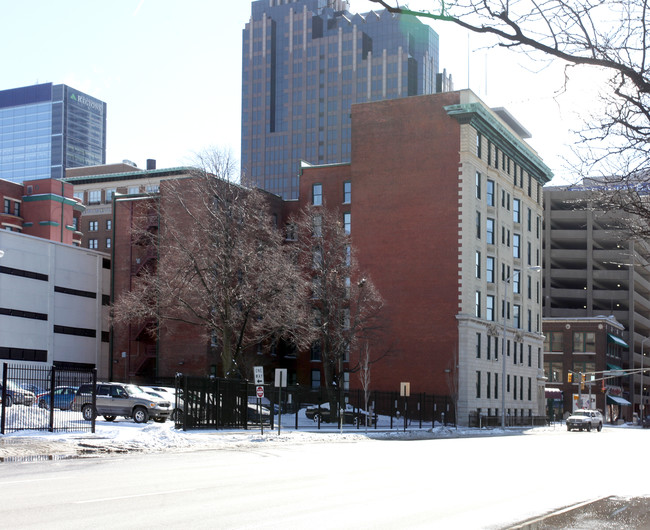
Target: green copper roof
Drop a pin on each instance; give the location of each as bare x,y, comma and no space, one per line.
483,121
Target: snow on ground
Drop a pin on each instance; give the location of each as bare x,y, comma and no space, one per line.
124,435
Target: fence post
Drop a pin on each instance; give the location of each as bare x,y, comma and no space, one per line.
92,423
51,411
4,398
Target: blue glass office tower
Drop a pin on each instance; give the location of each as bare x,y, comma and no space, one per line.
304,63
47,128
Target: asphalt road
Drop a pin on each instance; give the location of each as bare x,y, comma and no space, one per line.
459,483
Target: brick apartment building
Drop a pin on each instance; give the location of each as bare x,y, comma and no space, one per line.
443,200
44,208
96,186
594,347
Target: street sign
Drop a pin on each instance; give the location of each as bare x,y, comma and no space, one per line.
281,377
405,389
259,375
259,391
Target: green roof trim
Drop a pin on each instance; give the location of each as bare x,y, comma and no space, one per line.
49,197
48,223
483,121
131,175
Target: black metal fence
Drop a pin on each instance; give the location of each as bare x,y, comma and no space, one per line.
481,420
39,398
221,403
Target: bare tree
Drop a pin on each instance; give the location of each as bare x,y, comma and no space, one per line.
222,267
610,35
364,379
346,304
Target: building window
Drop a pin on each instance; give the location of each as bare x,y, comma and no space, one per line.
317,225
79,195
109,224
152,188
516,253
489,194
477,304
530,389
93,226
94,196
516,214
488,352
478,384
478,185
530,355
488,386
17,209
109,194
347,222
489,307
317,194
7,208
315,378
554,341
478,345
496,388
315,353
529,220
516,315
585,367
347,192
490,231
75,223
478,145
553,370
92,243
584,342
108,242
134,190
516,286
489,269
478,264
530,320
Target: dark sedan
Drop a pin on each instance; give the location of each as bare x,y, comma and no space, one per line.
351,415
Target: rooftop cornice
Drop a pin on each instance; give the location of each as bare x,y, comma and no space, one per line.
483,121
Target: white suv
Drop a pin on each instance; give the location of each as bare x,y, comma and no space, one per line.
585,419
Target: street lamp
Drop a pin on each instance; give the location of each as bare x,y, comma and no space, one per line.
535,268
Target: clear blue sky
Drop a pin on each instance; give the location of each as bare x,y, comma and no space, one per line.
170,72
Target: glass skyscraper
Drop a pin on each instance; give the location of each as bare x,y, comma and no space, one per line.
304,63
47,128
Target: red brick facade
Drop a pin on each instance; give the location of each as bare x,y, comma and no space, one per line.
42,208
404,211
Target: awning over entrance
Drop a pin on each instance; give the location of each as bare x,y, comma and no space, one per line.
615,400
617,340
614,368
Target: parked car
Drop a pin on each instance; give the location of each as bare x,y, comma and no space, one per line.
645,422
17,395
255,414
119,399
585,419
63,398
168,393
351,415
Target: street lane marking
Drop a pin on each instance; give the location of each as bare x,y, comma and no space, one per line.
105,499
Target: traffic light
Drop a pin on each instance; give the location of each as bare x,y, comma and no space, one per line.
570,377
